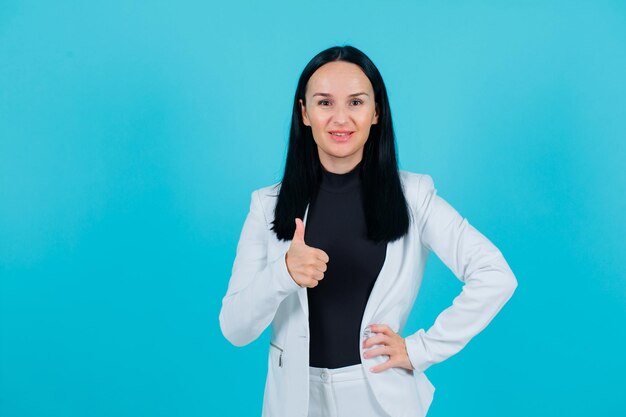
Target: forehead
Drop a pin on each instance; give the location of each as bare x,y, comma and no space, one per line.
339,78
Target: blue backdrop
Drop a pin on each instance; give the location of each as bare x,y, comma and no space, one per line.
131,137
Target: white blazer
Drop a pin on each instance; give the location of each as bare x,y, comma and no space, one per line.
261,292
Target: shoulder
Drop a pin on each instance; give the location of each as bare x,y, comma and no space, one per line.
264,199
413,182
268,191
417,188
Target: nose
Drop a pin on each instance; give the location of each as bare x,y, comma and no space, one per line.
340,116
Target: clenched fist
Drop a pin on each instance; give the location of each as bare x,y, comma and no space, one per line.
305,264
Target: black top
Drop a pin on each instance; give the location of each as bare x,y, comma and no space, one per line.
336,224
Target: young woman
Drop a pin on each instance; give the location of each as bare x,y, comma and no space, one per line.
333,256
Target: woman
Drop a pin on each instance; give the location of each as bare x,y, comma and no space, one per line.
333,256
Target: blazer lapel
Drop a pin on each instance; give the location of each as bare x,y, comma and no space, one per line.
383,282
302,292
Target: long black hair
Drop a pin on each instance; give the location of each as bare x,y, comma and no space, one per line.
384,204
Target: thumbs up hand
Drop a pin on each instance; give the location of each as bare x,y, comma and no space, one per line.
305,264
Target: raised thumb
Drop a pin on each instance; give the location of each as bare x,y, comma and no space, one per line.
298,235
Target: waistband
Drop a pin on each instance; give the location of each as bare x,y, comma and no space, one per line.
346,373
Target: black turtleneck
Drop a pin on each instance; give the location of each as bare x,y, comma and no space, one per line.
336,224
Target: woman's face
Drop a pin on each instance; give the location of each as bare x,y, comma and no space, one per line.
340,109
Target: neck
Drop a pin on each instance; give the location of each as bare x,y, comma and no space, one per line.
335,182
339,166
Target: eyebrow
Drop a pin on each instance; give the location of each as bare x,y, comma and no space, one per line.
330,95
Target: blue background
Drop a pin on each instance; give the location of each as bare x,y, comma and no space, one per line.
131,137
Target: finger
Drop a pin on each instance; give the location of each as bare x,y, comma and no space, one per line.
379,339
313,283
383,366
317,275
320,266
382,328
322,256
384,350
298,235
312,271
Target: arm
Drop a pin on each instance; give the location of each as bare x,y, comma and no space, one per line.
257,286
488,280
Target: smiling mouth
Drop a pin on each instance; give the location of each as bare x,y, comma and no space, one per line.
340,136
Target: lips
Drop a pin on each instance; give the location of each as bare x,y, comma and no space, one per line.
340,135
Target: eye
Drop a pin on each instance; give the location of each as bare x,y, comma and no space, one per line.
357,101
323,101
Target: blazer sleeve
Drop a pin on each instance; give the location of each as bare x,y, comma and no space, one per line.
488,280
257,286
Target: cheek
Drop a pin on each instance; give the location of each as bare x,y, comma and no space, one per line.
320,120
366,119
365,126
320,126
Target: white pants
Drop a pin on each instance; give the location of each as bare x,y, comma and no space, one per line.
341,392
